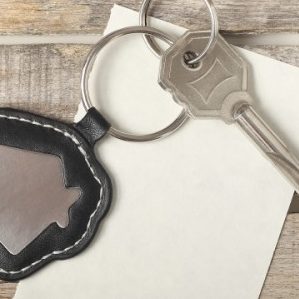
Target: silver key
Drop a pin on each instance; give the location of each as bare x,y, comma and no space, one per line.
217,87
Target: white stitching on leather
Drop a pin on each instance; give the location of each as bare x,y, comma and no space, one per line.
83,152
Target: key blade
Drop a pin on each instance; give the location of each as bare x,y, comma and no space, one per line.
270,144
202,89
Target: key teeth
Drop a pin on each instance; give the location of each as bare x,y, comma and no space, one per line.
174,97
232,105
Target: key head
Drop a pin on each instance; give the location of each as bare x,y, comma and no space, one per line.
204,89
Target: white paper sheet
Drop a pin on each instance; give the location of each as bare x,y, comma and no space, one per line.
196,215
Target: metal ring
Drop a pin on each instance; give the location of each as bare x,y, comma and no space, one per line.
87,104
158,51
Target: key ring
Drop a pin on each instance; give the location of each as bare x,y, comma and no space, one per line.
157,50
87,104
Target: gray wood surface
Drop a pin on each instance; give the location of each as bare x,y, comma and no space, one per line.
42,78
282,281
90,16
45,79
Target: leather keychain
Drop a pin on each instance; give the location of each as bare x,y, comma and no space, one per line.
53,190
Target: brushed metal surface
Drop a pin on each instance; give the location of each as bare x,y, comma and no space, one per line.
32,196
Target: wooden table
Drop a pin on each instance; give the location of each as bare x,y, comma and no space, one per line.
44,78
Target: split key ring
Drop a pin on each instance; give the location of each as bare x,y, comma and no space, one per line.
90,60
158,51
150,35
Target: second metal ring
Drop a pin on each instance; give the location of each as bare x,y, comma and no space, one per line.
86,100
158,51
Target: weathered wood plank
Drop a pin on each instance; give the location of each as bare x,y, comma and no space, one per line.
7,290
45,79
282,53
42,78
90,16
283,277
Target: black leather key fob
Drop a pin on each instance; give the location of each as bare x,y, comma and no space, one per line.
53,190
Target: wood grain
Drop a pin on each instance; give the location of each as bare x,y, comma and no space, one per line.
42,78
45,79
7,290
282,53
90,16
283,277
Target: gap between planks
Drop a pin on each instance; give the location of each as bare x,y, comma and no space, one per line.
277,39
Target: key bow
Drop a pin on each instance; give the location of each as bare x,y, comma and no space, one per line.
203,89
